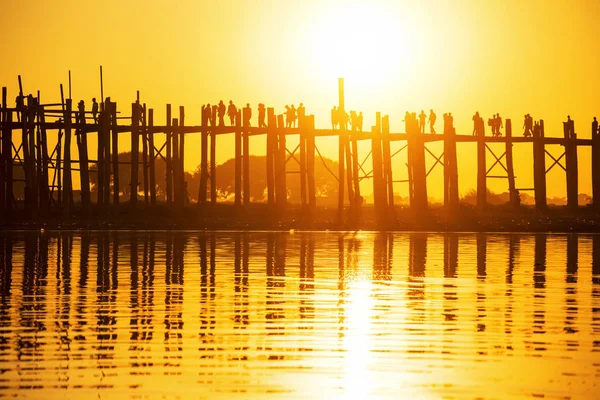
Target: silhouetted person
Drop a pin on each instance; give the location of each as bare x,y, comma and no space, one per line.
359,121
344,118
231,112
294,115
476,118
81,110
140,109
247,114
221,112
261,116
528,125
208,113
301,111
450,121
432,118
570,127
334,117
95,110
422,119
288,116
499,124
595,127
20,102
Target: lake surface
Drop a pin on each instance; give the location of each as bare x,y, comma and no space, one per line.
255,315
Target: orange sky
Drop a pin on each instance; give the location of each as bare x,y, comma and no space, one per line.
511,57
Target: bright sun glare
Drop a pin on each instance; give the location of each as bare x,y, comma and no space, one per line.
364,43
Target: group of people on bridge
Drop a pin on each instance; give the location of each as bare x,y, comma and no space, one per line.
495,123
340,119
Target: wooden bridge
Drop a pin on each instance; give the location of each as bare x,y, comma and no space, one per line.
48,170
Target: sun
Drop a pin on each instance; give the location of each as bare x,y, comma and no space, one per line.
367,43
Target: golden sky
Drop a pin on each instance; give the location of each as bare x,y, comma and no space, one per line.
512,57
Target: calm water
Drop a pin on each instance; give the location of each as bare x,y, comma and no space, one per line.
299,315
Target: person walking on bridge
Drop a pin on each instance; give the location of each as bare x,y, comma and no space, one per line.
334,117
301,112
95,110
595,128
221,112
247,114
261,116
422,119
231,112
432,118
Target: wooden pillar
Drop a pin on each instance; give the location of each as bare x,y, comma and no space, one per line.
271,151
8,159
102,129
111,117
169,165
341,146
213,160
595,166
135,151
379,188
3,150
514,196
571,164
310,161
203,159
349,179
416,146
539,167
280,170
28,160
356,169
246,156
387,160
182,187
84,174
67,183
450,169
107,156
238,160
302,128
152,167
44,191
481,171
145,155
175,163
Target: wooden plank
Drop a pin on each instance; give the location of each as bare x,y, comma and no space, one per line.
152,166
135,151
169,166
238,160
67,183
514,196
539,167
246,155
271,146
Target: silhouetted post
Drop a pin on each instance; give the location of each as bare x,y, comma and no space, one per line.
419,171
238,160
349,180
539,167
203,159
341,145
135,149
213,159
355,169
44,191
271,150
8,156
595,166
246,157
145,154
450,254
169,164
310,161
571,164
101,134
514,197
84,174
481,254
175,162
450,169
481,171
152,180
67,183
378,182
106,157
387,161
302,128
280,170
110,114
27,149
181,158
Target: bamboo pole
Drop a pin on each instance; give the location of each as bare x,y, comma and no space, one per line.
213,160
302,127
175,163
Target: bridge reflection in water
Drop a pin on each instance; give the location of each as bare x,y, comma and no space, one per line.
259,314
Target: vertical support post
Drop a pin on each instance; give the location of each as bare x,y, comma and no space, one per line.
8,158
387,161
107,143
378,185
302,128
238,160
175,163
571,164
450,169
44,191
68,187
203,158
84,174
135,151
169,165
246,156
280,170
182,187
416,147
271,151
213,160
3,150
481,171
111,118
152,180
539,167
514,196
310,162
341,145
145,154
355,170
102,129
595,166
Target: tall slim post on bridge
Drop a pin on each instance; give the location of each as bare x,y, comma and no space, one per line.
571,164
595,166
514,196
481,171
539,167
450,169
341,152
